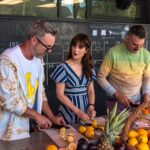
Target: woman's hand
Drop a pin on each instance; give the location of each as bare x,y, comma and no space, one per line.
91,112
83,116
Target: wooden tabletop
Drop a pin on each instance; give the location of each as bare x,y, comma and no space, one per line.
37,141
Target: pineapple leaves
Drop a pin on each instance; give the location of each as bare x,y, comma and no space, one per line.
113,112
115,123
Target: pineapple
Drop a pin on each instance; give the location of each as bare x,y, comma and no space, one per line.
105,144
113,126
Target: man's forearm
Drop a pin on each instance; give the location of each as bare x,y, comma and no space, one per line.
146,97
47,110
30,113
106,86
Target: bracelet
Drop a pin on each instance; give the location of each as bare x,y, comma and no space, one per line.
90,105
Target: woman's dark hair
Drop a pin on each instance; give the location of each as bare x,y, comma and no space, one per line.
82,40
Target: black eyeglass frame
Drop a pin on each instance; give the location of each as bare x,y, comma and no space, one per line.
48,47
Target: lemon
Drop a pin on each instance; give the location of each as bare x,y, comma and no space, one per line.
82,129
142,138
62,131
51,147
132,141
132,134
142,146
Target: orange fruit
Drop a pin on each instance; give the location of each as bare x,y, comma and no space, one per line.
141,131
148,143
70,139
71,146
89,134
94,123
145,111
142,146
142,138
132,134
89,128
82,129
148,133
51,147
132,142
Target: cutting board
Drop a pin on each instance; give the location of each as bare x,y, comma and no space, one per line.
97,133
54,135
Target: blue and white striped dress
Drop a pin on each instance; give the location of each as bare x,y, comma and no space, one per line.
75,90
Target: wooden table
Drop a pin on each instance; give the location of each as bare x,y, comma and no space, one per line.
37,141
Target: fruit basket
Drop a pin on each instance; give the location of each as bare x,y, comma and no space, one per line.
137,137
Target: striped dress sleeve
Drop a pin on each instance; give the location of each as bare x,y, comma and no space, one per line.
59,74
94,75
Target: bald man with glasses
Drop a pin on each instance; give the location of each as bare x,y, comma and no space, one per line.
22,94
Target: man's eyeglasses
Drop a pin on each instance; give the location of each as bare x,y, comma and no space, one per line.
48,47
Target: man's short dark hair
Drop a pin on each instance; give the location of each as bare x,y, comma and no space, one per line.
138,30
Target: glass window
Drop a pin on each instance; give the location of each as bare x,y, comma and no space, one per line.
41,8
67,9
108,8
73,9
81,9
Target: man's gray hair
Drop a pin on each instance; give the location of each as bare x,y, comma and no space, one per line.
40,28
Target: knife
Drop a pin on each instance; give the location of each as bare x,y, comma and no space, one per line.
86,123
134,105
57,126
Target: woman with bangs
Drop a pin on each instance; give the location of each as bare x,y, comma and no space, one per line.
74,82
